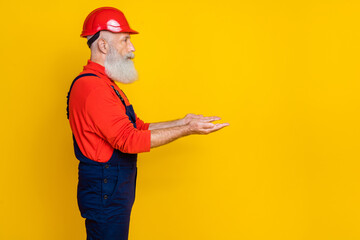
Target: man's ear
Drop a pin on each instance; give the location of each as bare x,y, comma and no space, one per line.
102,45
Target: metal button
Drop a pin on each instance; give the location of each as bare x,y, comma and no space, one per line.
105,196
107,166
105,180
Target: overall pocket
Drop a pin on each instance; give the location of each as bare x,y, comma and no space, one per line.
123,195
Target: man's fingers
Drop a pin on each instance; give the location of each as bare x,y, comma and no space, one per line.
202,118
219,126
210,119
208,125
212,126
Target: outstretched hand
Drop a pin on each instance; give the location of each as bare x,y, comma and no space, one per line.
189,117
190,124
198,124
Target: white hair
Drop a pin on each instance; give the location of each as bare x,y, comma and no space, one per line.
120,68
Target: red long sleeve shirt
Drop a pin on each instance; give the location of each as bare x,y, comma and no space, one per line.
98,119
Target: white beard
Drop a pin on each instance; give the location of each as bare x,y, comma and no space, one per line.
119,68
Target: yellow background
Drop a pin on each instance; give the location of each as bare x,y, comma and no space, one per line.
284,74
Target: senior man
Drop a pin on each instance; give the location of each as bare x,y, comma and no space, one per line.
107,133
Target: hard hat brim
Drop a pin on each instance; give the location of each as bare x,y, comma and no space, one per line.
129,30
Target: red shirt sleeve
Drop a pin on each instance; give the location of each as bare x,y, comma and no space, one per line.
107,118
141,125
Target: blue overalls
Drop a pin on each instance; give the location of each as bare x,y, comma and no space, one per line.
106,191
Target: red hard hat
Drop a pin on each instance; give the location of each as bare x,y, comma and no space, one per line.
106,18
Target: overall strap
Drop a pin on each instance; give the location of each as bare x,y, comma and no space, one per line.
68,96
118,94
129,109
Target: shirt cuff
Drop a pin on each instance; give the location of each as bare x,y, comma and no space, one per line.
146,126
147,141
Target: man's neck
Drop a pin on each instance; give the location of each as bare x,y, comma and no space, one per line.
97,60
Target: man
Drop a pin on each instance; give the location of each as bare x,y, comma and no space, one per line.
106,131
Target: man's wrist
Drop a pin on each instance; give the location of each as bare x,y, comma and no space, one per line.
180,122
186,129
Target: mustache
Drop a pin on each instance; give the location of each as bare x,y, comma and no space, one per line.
130,55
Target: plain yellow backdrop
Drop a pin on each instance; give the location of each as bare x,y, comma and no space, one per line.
284,74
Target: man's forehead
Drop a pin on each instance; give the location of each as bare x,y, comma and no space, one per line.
116,36
122,35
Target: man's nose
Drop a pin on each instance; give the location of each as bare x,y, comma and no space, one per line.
131,47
